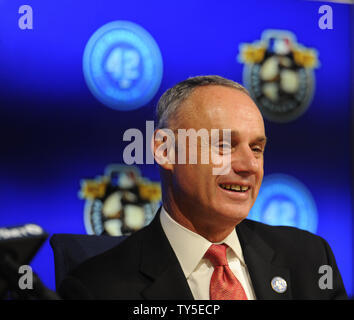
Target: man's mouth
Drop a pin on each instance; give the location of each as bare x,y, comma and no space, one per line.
234,187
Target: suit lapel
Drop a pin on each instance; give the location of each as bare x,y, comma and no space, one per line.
170,285
160,264
261,263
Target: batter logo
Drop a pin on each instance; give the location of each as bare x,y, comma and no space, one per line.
122,65
285,201
278,72
120,202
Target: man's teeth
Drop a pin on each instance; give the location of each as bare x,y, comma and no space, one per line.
234,187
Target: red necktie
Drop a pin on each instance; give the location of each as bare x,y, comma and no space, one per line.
223,284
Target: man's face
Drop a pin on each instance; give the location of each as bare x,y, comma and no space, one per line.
203,196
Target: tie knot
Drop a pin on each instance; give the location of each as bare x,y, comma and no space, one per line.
216,254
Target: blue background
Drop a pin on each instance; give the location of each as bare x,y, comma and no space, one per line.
53,132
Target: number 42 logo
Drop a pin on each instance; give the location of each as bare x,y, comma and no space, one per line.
123,65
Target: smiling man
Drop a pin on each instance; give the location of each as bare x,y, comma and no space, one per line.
200,244
207,204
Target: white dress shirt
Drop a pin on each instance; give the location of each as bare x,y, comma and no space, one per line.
190,248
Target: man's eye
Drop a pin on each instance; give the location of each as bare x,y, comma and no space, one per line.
257,150
225,146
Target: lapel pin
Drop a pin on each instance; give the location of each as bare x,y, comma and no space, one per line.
279,285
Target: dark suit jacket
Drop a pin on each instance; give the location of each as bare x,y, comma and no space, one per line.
144,266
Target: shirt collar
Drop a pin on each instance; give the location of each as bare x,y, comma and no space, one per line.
189,246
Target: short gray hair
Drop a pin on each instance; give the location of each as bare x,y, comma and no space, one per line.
173,97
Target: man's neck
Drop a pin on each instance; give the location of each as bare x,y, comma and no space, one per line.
214,232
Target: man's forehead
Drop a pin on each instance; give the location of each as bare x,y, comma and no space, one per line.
209,98
218,104
217,91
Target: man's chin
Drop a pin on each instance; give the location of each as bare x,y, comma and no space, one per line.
232,215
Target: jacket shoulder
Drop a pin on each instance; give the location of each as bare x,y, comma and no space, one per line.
301,252
292,243
119,264
276,233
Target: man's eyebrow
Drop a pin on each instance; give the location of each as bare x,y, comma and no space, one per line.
260,139
234,133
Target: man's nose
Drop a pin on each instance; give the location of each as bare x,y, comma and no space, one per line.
243,161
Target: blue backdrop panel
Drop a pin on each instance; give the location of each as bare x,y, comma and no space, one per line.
54,132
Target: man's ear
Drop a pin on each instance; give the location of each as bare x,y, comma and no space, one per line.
163,148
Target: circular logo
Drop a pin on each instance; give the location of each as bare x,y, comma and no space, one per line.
285,201
279,285
279,75
122,65
120,202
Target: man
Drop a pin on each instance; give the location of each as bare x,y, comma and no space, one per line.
199,245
